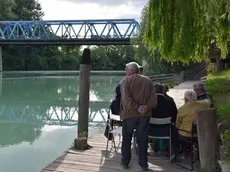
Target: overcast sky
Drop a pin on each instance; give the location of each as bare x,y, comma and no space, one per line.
91,9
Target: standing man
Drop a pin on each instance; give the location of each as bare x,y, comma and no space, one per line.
137,99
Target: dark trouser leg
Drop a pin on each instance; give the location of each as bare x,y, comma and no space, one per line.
142,136
128,126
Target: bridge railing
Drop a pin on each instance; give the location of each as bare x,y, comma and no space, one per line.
166,78
59,30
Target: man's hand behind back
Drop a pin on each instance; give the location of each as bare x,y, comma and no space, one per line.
143,109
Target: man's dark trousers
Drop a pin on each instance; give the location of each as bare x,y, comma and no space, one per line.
141,126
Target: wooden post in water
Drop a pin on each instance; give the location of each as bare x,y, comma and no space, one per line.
207,138
83,103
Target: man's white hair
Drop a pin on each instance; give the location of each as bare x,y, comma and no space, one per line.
190,95
133,65
199,86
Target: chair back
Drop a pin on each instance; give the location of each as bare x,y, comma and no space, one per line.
113,120
115,117
160,121
160,127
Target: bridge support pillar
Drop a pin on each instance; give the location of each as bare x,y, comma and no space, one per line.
0,59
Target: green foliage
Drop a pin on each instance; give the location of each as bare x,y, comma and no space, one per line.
182,30
6,9
28,10
112,57
156,65
41,57
226,137
84,134
217,84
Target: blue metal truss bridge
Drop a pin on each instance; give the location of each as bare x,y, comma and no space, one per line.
69,32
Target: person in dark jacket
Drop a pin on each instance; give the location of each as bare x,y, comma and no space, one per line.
165,108
201,93
166,89
115,105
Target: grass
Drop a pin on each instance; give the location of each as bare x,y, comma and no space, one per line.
218,85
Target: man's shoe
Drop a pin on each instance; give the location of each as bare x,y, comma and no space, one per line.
124,166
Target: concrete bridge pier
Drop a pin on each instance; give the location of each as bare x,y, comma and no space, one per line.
0,59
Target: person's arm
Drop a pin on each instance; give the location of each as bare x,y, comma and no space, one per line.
152,102
127,99
178,121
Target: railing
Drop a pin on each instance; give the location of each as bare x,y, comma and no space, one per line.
166,78
197,72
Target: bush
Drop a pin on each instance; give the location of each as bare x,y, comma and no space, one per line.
218,85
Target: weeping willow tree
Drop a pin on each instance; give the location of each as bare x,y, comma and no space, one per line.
154,64
182,30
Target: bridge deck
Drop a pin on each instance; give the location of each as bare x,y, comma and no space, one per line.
69,32
94,160
89,41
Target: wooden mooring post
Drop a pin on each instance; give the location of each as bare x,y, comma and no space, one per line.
83,103
207,138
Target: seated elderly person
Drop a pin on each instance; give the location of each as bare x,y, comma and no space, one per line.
200,91
165,108
186,116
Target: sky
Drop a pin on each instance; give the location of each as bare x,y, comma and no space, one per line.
91,9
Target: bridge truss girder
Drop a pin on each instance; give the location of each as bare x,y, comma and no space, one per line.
54,116
76,32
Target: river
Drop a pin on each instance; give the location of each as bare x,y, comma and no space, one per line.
38,116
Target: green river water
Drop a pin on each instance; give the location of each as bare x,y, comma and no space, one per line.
38,116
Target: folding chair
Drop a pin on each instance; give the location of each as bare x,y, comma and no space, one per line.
164,132
115,128
190,146
114,125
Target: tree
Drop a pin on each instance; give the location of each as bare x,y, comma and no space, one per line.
156,65
28,10
182,30
6,9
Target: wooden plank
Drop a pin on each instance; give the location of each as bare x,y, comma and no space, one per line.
94,160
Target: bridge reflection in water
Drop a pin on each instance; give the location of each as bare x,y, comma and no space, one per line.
54,115
28,104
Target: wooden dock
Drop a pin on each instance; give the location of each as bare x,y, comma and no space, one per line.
93,160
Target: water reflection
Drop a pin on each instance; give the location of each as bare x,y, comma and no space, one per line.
31,107
0,84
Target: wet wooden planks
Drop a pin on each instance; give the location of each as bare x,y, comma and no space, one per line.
93,160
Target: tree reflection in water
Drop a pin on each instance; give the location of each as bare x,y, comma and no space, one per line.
27,104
